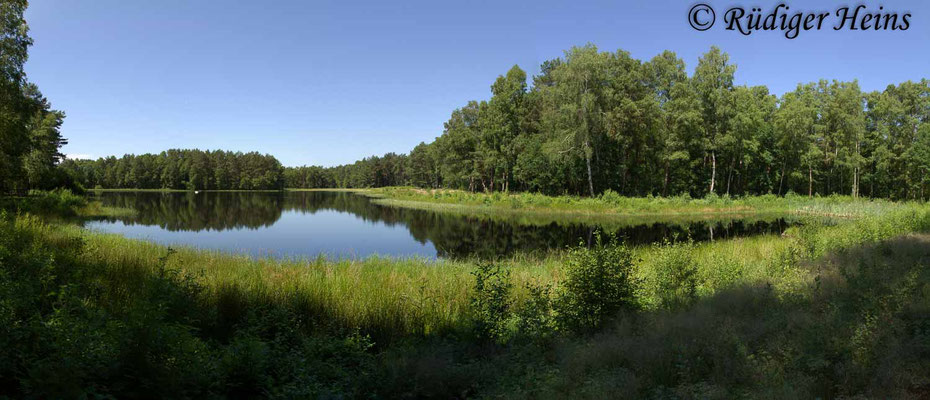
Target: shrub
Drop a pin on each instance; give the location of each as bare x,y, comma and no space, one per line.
611,197
599,283
76,327
676,275
534,319
59,202
490,301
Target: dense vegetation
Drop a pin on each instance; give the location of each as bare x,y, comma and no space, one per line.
594,121
29,129
180,169
822,311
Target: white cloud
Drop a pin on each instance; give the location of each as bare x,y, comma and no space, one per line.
79,156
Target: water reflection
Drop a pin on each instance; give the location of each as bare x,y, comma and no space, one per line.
341,224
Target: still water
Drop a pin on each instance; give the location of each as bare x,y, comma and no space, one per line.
346,225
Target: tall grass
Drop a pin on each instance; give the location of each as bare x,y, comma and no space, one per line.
611,203
390,297
88,314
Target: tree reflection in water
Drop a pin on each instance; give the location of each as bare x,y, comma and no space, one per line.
453,235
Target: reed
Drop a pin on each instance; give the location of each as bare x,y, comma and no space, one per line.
87,311
395,297
610,204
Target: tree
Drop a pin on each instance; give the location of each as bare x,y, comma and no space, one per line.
666,77
579,96
503,123
750,121
15,108
713,80
45,140
457,147
796,122
844,123
423,166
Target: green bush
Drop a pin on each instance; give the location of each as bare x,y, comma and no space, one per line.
676,275
490,301
58,202
611,197
534,318
72,327
599,283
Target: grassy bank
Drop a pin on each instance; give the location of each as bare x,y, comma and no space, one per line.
804,314
398,297
61,205
610,204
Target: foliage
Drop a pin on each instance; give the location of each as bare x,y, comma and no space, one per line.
30,134
128,314
599,283
180,169
54,203
676,281
79,327
598,121
490,301
535,319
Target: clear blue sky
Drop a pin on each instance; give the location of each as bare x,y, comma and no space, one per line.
329,82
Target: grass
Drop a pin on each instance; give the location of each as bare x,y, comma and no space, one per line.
824,310
857,331
610,204
391,298
61,205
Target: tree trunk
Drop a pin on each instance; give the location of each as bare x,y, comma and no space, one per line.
587,139
781,181
730,175
810,181
713,170
665,185
590,179
856,173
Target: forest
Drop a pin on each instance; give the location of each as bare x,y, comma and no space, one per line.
180,169
594,120
30,136
811,290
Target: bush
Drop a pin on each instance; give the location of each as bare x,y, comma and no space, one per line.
676,275
611,197
490,301
73,327
534,319
59,202
599,283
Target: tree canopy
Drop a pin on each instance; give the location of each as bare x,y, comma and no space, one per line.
591,121
596,121
30,136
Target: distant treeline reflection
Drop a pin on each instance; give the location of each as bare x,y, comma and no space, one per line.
452,235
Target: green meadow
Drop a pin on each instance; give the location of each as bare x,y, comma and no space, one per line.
801,314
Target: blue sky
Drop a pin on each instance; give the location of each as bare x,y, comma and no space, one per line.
329,82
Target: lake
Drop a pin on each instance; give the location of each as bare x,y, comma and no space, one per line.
346,225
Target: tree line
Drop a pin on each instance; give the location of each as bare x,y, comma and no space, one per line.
590,121
593,121
180,169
